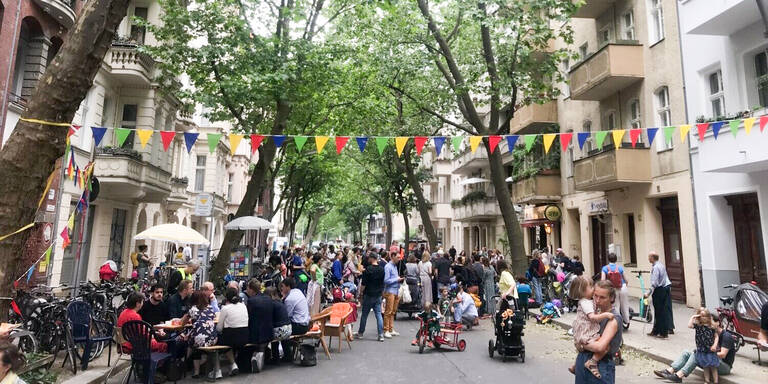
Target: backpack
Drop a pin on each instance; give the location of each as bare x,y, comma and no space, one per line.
614,277
307,355
176,369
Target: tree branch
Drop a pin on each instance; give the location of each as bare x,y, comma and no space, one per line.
490,64
430,111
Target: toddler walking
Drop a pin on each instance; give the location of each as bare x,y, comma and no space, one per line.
586,327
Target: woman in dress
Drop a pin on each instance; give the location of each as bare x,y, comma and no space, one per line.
425,273
350,271
315,290
489,285
203,332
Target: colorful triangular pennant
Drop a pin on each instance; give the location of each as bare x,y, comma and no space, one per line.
634,134
400,142
98,134
361,143
565,139
167,138
320,143
419,142
144,135
381,143
529,140
255,142
702,128
748,123
582,138
548,138
684,129
763,121
600,138
474,141
456,143
618,136
278,140
122,135
439,141
341,141
651,134
234,142
300,141
189,140
734,126
716,128
511,141
493,142
213,141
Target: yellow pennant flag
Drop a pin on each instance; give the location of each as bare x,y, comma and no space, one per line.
684,132
748,123
474,141
71,222
234,141
320,143
144,135
549,138
400,144
618,134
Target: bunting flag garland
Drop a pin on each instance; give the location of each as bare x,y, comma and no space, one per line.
734,125
684,129
65,238
122,135
189,140
144,136
618,135
651,134
474,142
748,123
213,141
582,137
255,142
529,140
400,143
493,142
419,142
43,260
278,140
362,141
716,128
381,143
549,138
320,143
98,134
439,141
456,143
167,139
46,259
763,121
300,141
341,141
565,139
702,128
633,135
600,138
511,141
234,141
29,273
668,133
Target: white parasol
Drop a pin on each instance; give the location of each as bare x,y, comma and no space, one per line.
473,180
246,223
176,233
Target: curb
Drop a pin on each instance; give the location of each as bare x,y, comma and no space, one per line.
98,375
643,352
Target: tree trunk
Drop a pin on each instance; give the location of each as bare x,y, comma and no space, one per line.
511,224
388,221
29,156
314,220
407,235
421,203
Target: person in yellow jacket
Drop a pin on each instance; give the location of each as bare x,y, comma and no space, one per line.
184,273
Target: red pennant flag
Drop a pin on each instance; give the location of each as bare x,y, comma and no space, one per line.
65,236
634,134
763,121
255,142
76,127
71,131
419,142
494,142
702,128
341,141
167,137
565,139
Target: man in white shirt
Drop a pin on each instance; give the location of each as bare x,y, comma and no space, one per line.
464,309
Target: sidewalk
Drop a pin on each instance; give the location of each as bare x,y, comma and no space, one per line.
665,351
97,369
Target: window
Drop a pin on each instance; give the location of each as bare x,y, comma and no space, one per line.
116,235
604,35
200,173
229,187
716,98
761,72
129,121
663,117
634,114
610,121
566,68
583,51
656,19
138,32
628,26
587,128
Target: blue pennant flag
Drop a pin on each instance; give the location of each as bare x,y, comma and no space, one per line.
29,273
716,128
98,134
511,141
439,142
361,142
651,134
189,139
582,137
278,140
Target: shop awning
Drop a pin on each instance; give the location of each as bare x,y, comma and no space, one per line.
536,222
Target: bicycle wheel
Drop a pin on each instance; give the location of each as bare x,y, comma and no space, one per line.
24,340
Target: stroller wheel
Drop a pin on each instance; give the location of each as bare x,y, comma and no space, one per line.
522,357
491,348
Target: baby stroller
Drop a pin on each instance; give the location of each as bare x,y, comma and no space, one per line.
508,325
414,286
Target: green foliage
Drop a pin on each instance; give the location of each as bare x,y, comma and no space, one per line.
526,164
469,198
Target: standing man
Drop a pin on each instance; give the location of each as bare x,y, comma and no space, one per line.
371,288
452,252
180,274
660,291
155,310
442,272
536,270
392,282
615,274
144,262
394,247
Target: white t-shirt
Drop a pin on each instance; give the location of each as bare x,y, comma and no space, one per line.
233,316
587,306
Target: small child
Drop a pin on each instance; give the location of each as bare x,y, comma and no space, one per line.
444,304
431,319
706,343
586,327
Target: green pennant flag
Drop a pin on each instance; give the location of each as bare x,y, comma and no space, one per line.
213,141
734,125
300,140
381,143
600,137
456,143
122,135
529,140
668,133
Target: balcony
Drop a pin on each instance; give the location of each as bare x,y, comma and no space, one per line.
481,210
533,118
123,176
441,211
441,167
612,169
718,155
129,65
592,9
61,10
179,196
469,162
541,188
719,18
612,68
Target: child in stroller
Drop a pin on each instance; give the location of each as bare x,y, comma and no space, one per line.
508,329
430,325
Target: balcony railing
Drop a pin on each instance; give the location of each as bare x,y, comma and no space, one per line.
612,68
612,169
484,209
540,188
469,162
532,118
61,10
129,64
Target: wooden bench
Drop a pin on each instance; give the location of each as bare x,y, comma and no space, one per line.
213,364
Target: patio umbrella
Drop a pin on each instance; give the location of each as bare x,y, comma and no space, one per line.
176,233
246,223
473,180
509,179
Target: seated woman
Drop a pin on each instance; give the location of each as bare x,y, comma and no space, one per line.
131,313
233,326
203,332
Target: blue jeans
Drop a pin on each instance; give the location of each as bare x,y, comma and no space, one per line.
606,367
368,304
536,283
687,364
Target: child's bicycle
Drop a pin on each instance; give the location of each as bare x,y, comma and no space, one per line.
644,314
448,335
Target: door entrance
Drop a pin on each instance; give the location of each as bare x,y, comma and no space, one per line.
599,243
749,239
673,251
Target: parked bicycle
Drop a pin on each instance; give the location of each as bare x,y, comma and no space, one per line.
740,312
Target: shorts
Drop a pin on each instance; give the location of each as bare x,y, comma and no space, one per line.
282,332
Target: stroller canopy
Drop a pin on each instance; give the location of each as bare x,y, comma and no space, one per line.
749,300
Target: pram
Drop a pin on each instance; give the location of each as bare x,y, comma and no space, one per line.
508,325
414,286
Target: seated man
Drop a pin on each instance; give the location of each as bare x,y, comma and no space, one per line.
298,312
131,312
464,309
178,303
209,289
155,310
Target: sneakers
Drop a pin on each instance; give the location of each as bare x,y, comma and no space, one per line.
673,377
234,370
394,333
660,373
388,335
257,362
414,342
381,338
358,336
215,375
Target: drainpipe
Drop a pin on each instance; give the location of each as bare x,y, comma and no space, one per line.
690,159
761,7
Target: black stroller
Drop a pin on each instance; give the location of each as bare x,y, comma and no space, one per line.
508,325
414,286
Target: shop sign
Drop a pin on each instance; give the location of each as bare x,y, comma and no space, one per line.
598,206
552,213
